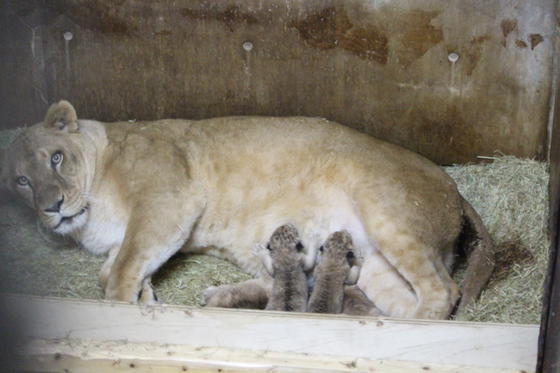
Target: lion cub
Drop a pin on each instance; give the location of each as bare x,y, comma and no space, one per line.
336,267
284,259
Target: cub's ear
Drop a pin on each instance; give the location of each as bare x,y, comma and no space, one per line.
62,116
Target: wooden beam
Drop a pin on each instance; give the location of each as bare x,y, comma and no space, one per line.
549,339
247,335
85,356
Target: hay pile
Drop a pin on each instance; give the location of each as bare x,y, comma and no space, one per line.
509,193
511,196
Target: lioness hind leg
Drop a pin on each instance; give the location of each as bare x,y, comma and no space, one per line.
416,262
386,288
452,287
357,303
251,294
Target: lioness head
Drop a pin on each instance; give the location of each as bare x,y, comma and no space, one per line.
49,166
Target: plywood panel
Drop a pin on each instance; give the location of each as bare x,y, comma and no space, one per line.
23,98
379,66
477,345
549,339
88,356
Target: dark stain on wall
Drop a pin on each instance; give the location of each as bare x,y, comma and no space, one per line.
232,16
507,25
319,30
473,52
520,43
446,125
535,40
96,15
418,34
332,28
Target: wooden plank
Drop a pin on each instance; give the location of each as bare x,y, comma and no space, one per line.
381,67
23,93
477,345
549,339
84,356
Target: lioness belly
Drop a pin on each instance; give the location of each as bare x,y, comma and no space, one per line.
237,234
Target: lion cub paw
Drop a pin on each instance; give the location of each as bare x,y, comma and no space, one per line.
208,294
249,294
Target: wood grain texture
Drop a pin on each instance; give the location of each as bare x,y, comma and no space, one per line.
549,338
84,356
23,96
376,66
492,346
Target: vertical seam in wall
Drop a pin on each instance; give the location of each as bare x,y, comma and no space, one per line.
555,83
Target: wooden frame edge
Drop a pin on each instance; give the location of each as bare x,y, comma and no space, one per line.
83,336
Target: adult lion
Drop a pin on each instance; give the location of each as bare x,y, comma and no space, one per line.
141,191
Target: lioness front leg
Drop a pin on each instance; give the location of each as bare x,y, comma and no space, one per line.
147,294
148,243
106,268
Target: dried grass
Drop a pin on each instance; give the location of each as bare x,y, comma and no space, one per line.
510,194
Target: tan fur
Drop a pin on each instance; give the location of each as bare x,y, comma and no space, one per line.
331,272
223,185
357,303
285,262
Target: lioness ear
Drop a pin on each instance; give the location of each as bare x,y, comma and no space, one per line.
62,116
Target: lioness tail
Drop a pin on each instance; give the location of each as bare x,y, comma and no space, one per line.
480,250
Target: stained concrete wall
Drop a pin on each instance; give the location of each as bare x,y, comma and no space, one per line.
379,66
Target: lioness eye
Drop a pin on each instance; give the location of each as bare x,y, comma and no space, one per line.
56,158
22,180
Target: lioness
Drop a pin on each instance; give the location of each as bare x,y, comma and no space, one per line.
141,191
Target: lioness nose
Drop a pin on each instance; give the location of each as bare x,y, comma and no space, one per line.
55,207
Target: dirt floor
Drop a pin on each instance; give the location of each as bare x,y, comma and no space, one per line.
509,193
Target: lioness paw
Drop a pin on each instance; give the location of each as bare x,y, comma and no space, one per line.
147,296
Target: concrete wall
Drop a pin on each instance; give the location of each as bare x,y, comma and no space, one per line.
379,66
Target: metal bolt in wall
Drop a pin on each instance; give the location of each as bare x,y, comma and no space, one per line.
248,46
453,57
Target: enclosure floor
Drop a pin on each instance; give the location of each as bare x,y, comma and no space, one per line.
510,194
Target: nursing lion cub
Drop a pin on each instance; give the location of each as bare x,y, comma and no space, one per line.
141,191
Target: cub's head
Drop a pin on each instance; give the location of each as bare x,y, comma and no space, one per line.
284,249
48,166
338,253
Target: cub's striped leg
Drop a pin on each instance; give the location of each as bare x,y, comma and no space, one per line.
251,294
